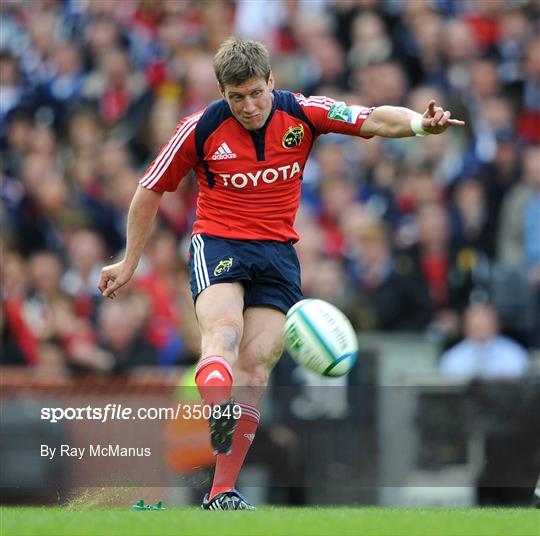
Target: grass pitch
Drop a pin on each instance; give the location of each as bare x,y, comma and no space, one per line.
58,521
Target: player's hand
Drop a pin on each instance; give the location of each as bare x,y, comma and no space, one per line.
436,120
113,277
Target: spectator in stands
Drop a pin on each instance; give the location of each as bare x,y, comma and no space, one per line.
160,285
312,32
511,43
421,44
380,84
529,117
63,87
416,188
459,49
17,142
37,57
518,242
371,43
484,353
85,133
389,295
330,282
20,346
449,271
120,336
44,321
310,249
119,92
336,194
472,223
200,87
86,252
502,172
12,87
114,159
46,212
102,34
519,231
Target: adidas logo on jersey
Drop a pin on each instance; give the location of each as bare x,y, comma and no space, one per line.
223,153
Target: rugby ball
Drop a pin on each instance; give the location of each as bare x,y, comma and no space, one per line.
320,337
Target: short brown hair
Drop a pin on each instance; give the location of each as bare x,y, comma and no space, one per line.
238,60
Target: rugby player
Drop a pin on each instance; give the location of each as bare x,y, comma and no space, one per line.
248,151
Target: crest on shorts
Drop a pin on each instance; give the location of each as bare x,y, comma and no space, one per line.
224,265
293,137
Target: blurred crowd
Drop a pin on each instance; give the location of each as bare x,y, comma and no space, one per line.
403,235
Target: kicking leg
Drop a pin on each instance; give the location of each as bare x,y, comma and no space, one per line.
260,350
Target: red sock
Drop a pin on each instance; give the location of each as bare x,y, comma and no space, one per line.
228,465
213,377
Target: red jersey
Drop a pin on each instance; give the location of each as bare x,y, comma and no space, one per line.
249,181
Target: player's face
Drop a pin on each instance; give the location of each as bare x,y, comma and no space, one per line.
250,102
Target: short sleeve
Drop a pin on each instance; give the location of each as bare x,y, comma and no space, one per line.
328,115
174,161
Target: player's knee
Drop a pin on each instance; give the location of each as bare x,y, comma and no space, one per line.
258,376
269,359
256,368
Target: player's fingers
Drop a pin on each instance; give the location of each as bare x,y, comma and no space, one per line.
444,119
112,287
431,108
437,117
102,284
456,123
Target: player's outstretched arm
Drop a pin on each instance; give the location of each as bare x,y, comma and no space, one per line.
398,122
142,212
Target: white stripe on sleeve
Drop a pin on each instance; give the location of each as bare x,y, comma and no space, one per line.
163,161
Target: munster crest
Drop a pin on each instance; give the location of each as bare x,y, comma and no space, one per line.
293,137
